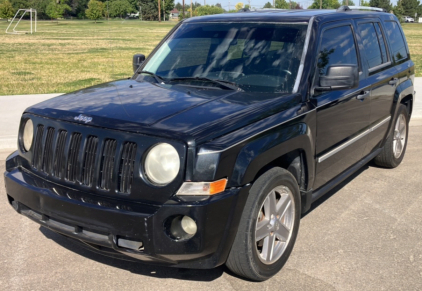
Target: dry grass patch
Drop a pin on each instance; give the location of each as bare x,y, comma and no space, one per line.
73,54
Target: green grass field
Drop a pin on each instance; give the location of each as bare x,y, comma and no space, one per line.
74,54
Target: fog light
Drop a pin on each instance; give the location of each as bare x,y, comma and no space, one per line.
181,227
188,225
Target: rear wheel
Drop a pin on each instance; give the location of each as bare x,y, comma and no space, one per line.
395,146
268,227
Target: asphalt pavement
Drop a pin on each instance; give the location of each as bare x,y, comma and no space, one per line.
363,235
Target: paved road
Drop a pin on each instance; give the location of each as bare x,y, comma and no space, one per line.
364,235
11,108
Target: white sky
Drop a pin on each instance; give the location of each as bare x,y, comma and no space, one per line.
254,3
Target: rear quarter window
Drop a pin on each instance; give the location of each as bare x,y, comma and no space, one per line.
396,40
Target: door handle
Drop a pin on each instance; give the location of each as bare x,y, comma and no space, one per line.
393,81
363,95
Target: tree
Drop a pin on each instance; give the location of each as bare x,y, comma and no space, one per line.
179,6
381,4
208,10
168,6
95,10
326,4
239,6
298,6
351,3
398,10
6,10
55,10
410,7
282,4
218,5
119,8
364,3
268,5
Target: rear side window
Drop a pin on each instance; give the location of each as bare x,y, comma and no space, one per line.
373,48
396,40
337,48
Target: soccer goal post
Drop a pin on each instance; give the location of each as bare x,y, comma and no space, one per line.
32,20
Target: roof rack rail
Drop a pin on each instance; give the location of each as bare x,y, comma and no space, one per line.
350,8
260,9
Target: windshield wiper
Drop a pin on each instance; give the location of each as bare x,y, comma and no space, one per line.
159,79
222,83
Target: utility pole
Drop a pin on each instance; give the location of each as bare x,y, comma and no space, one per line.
320,4
159,11
273,3
190,8
347,2
229,5
183,9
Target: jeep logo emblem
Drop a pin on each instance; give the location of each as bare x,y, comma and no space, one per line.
83,118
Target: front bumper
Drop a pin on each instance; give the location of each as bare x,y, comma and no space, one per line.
100,221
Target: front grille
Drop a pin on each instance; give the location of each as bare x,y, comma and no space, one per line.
48,151
127,163
107,164
37,158
75,157
60,158
72,162
89,160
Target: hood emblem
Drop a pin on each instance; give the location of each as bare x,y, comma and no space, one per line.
83,118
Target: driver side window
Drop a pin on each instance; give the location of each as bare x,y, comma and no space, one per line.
337,48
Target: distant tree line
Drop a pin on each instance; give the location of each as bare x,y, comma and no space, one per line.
92,9
99,9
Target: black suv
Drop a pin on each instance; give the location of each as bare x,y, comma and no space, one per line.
223,137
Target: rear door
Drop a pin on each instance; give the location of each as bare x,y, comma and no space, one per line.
381,76
342,115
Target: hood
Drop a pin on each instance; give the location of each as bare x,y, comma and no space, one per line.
180,112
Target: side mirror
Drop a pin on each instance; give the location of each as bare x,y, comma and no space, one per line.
138,59
340,77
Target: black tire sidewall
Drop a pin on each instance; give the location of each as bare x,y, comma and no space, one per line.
402,110
260,192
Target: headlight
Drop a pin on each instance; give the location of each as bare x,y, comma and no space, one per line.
162,164
28,134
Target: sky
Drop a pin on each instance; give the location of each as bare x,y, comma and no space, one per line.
254,3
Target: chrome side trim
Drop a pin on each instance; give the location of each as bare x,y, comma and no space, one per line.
380,123
349,142
304,52
249,137
373,69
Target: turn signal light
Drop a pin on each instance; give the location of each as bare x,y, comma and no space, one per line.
203,188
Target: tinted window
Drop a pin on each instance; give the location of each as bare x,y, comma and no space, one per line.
382,43
371,47
395,37
337,47
258,57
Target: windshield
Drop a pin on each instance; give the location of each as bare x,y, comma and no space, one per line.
256,57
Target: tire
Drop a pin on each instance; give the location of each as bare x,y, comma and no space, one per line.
390,156
248,258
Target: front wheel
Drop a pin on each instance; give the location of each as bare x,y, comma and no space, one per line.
395,146
268,227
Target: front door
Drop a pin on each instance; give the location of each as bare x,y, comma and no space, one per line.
342,115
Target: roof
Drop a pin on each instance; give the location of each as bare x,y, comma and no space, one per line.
174,11
296,15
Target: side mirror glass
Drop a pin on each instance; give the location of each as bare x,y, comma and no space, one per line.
340,77
138,59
